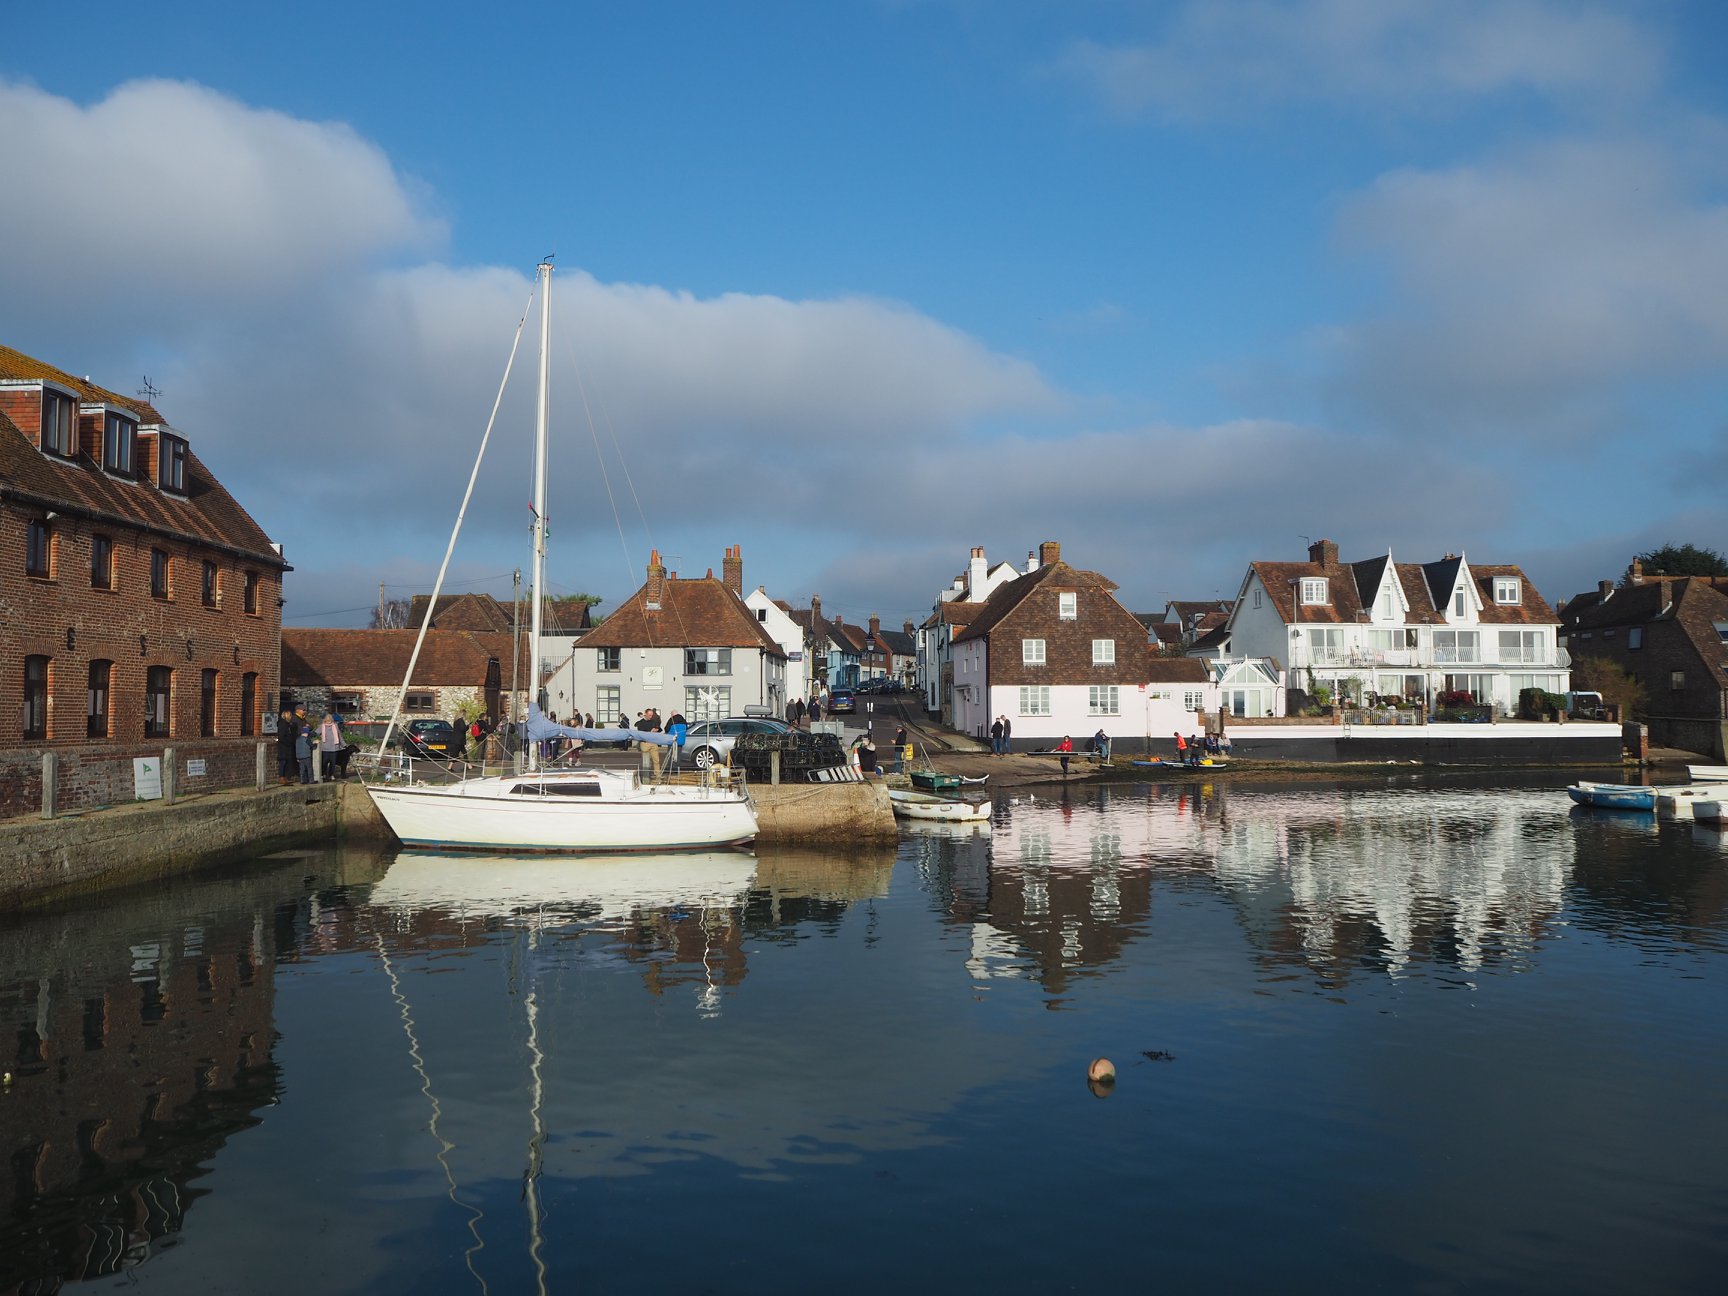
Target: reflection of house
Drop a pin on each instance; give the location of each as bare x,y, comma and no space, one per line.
1671,634
134,1054
143,603
1404,630
691,646
1055,652
358,673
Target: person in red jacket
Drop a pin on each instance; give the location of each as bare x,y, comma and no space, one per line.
1065,747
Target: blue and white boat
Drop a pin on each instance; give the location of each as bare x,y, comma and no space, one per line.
1614,796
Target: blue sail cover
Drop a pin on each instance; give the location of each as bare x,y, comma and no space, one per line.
540,728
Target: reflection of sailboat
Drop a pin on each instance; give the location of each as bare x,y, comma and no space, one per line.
584,887
557,811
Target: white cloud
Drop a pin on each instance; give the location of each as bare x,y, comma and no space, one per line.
1230,57
172,197
1535,286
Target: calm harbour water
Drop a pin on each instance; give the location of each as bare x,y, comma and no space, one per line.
1430,1036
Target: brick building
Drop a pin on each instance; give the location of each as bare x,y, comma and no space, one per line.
358,673
1671,634
143,605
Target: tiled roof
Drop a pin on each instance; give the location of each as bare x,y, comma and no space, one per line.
207,513
370,658
1427,588
1176,670
1010,595
693,613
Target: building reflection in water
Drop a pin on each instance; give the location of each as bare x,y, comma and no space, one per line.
1338,880
141,1047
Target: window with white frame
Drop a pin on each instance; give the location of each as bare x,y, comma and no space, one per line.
1313,589
1508,589
171,471
1103,652
1397,639
1193,700
1032,652
1458,602
1722,630
706,702
1101,699
608,704
1068,606
57,432
1326,643
1521,646
1035,700
708,661
119,444
1452,646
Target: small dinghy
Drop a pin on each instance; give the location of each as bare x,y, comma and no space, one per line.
909,803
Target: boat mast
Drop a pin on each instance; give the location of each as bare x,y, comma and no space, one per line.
537,585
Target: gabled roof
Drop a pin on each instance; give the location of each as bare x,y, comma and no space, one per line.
693,613
314,656
1427,587
1009,596
897,642
1176,670
463,612
1183,611
1214,640
207,513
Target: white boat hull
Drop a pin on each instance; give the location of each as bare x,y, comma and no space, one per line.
1708,773
612,812
922,805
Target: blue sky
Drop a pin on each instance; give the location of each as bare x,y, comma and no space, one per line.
858,286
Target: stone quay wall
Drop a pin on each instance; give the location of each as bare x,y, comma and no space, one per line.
90,776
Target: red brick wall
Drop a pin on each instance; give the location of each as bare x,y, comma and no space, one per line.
66,620
94,775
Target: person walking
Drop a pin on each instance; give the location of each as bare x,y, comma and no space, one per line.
1064,749
815,711
1007,732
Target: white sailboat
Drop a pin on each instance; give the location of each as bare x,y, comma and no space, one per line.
562,810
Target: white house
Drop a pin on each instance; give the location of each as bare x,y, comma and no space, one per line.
776,619
956,606
690,646
1404,630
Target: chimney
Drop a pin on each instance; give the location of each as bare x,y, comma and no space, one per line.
1031,562
656,581
1323,552
1049,553
1635,573
734,570
875,625
815,607
908,628
975,573
1604,589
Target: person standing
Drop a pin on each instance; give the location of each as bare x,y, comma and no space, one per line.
1007,732
1181,749
996,737
304,744
286,730
678,727
900,749
815,711
1064,749
330,743
650,723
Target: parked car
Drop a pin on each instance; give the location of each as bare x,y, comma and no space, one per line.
429,737
841,700
709,742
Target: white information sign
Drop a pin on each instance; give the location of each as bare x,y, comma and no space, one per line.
195,769
147,778
653,677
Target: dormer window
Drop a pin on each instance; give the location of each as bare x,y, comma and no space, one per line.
1313,590
171,470
1068,606
1508,590
57,424
119,444
1458,602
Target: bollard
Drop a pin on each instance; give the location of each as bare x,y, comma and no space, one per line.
49,769
774,768
261,772
168,776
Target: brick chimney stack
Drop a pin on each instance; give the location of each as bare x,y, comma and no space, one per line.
734,570
908,628
1604,589
815,607
875,625
1049,553
1635,576
1324,552
656,580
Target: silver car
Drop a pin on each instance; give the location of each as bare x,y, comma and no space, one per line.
709,742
